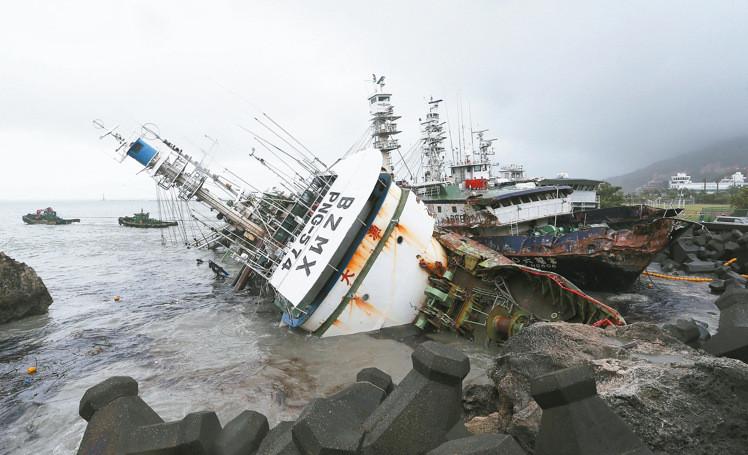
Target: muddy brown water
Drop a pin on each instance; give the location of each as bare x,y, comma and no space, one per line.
191,342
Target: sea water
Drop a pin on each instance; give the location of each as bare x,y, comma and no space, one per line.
190,341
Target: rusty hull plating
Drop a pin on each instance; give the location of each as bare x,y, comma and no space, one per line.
594,258
485,296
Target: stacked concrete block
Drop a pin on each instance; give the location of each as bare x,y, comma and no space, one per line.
113,411
731,339
701,251
371,416
243,434
482,444
576,421
279,441
195,434
417,415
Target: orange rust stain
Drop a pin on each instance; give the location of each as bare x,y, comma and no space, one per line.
341,325
365,306
410,237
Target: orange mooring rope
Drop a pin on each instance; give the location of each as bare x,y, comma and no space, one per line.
690,279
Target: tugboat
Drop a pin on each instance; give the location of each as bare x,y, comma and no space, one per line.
143,220
46,216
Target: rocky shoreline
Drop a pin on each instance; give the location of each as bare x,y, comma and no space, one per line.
22,292
558,388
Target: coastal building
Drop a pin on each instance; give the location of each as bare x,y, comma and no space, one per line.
682,181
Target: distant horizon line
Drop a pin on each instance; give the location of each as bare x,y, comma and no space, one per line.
75,200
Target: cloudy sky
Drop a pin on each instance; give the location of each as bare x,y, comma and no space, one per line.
593,88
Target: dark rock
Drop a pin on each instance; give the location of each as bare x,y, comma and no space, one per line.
717,286
734,295
104,393
328,427
717,246
22,292
700,267
690,332
736,235
702,253
713,236
681,248
108,429
668,266
195,435
440,362
731,249
676,399
731,339
744,239
422,409
700,240
736,279
576,421
458,431
483,444
660,257
334,425
279,441
377,377
242,435
480,400
361,397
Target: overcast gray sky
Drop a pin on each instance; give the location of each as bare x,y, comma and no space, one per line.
592,88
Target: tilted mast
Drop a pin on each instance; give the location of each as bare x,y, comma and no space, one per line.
383,123
433,134
262,224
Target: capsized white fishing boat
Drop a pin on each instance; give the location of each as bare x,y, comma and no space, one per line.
344,251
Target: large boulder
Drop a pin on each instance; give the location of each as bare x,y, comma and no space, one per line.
674,398
22,292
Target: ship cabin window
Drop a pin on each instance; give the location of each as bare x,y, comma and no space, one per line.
439,208
454,209
384,98
476,168
485,167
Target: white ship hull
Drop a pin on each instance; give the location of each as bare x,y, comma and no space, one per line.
381,284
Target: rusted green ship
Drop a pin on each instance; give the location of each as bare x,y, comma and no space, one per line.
144,220
47,216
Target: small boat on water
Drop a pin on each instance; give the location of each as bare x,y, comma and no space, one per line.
47,216
144,220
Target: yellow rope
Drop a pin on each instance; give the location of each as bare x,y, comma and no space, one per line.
731,261
690,279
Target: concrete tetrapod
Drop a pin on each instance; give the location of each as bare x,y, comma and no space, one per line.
243,434
576,421
481,444
370,416
731,339
423,408
334,425
113,410
195,434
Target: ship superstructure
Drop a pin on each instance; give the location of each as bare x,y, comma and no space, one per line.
348,250
344,248
471,198
384,123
